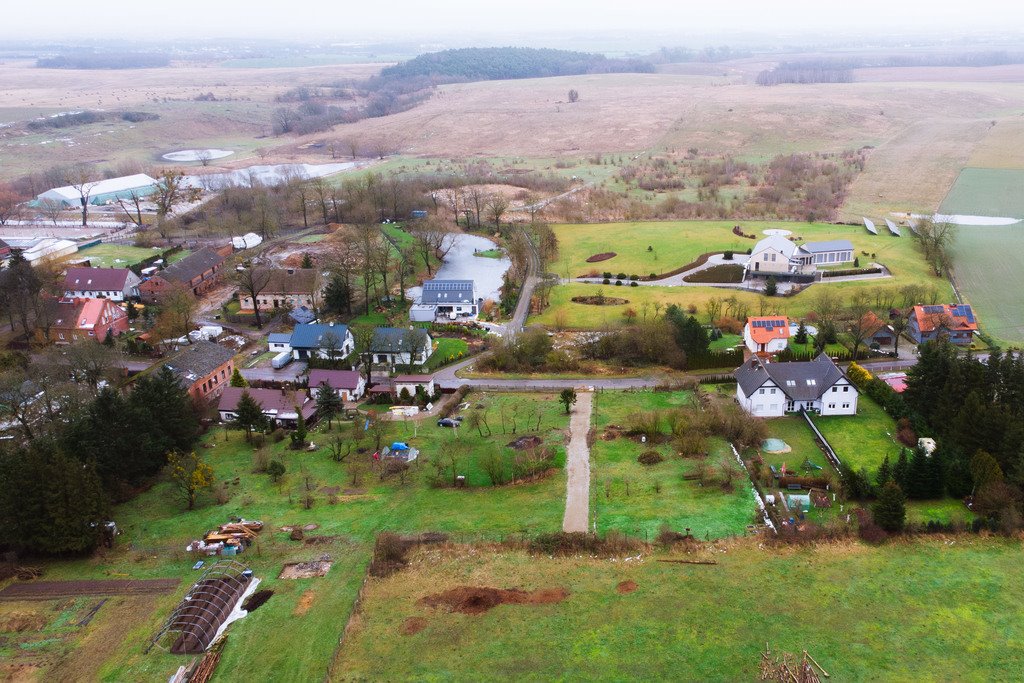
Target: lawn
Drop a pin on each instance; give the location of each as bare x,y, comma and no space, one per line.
119,256
295,633
674,244
794,431
447,351
726,342
901,611
490,253
862,440
638,499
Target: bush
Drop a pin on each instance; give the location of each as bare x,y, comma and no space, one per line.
389,554
607,281
633,284
276,470
606,275
650,458
277,436
727,255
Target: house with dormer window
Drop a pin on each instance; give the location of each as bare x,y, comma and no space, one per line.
766,389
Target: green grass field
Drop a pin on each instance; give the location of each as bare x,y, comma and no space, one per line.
988,272
862,440
794,431
447,351
678,243
921,611
986,192
118,256
281,636
638,499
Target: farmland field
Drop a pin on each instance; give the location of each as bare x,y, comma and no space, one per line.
986,192
902,611
990,272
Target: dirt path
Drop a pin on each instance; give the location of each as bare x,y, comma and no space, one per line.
577,463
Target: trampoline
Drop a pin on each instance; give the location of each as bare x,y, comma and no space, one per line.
775,446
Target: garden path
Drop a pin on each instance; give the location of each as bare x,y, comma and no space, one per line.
577,464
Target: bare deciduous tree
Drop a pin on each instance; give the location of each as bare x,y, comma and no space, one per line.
252,282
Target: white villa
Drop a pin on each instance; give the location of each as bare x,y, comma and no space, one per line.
776,255
767,389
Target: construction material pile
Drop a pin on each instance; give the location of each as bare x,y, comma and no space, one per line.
228,539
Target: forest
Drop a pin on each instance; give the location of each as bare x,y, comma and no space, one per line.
501,63
105,60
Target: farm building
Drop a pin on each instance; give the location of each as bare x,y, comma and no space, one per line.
348,384
203,367
286,288
398,346
766,334
323,341
36,249
116,284
279,406
776,255
767,389
198,271
101,191
445,298
86,319
955,321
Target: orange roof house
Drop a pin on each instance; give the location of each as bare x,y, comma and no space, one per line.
766,334
955,321
87,319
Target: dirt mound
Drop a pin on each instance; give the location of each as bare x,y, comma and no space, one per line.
305,602
626,587
17,622
412,626
599,300
480,599
319,540
305,570
524,442
603,256
255,600
611,432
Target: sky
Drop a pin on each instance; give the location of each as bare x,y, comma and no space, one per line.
418,19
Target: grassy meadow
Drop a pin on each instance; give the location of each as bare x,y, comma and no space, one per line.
122,256
902,611
638,499
986,192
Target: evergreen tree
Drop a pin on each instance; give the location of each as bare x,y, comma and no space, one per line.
299,436
237,380
108,340
249,415
771,287
890,511
916,486
338,296
884,474
985,470
689,334
901,472
328,403
162,406
132,311
936,477
958,472
307,261
801,334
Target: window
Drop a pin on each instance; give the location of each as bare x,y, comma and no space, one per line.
832,406
846,389
771,391
846,405
835,389
773,257
790,382
812,382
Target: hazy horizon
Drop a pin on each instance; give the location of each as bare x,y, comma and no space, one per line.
414,20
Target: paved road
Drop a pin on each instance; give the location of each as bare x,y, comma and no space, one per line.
577,465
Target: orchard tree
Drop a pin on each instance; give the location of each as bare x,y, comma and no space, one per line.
568,399
190,475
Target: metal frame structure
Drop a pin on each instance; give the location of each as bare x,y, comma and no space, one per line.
203,609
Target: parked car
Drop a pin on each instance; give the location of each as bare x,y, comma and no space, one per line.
450,422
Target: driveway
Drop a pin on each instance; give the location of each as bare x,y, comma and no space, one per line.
577,466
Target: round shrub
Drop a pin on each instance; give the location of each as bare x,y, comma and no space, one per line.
618,283
633,284
607,281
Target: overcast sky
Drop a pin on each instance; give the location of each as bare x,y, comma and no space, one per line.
421,18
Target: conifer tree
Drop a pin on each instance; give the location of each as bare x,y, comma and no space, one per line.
237,380
884,474
249,415
890,511
328,403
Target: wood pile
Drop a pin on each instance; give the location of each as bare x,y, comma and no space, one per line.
208,664
785,668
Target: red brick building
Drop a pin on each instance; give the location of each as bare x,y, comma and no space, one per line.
87,319
199,272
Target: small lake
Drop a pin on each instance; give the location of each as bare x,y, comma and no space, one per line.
461,264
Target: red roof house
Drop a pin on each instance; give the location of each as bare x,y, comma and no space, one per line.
87,319
766,334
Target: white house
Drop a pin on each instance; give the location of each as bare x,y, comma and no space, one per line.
279,341
396,346
777,255
447,299
411,383
766,334
321,340
349,385
767,389
116,284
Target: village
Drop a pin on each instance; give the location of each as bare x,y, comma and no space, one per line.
360,361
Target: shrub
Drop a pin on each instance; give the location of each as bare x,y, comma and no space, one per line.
633,284
727,255
389,554
276,470
277,435
606,281
618,283
607,275
650,458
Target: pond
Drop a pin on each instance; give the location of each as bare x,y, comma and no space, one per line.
461,263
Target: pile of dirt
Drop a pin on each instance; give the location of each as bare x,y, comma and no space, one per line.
480,599
412,626
650,458
611,432
256,600
603,256
305,570
525,442
320,540
18,622
626,587
599,300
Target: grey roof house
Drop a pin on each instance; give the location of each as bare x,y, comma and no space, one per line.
401,346
767,389
324,340
445,298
